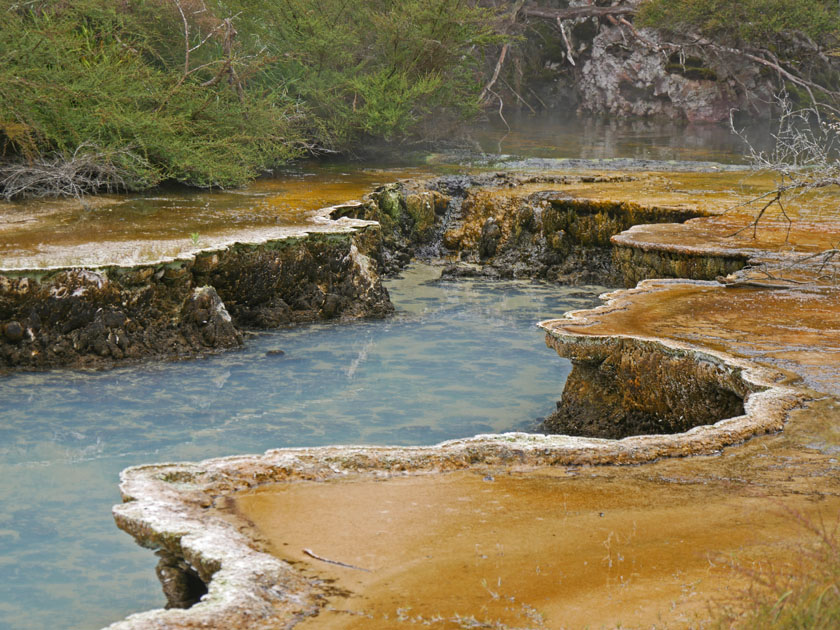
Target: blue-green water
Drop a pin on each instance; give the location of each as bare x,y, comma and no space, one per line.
459,358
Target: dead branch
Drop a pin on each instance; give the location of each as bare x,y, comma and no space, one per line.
312,554
798,80
501,107
803,159
495,77
566,43
87,170
519,96
777,195
644,40
751,284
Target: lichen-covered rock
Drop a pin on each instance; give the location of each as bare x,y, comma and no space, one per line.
205,318
545,234
635,264
622,71
625,78
297,280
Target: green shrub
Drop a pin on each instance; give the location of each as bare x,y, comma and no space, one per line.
212,92
375,67
762,23
96,74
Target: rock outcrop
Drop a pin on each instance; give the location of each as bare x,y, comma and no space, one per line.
601,63
624,77
677,360
183,308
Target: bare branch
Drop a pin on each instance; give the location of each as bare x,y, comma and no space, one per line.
87,170
804,158
566,43
495,77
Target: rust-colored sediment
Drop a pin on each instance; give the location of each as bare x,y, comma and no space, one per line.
481,528
526,531
795,329
543,548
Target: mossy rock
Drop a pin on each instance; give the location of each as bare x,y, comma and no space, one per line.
421,208
391,202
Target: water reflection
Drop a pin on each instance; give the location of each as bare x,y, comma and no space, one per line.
555,135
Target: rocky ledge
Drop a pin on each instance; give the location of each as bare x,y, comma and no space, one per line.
217,575
579,226
555,225
185,307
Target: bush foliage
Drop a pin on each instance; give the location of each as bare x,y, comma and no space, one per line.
762,23
212,92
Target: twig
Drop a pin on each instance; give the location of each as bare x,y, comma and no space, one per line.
312,554
536,96
87,170
754,223
517,95
495,77
569,54
577,12
751,284
501,107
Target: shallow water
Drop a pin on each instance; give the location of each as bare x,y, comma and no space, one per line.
175,221
459,358
602,138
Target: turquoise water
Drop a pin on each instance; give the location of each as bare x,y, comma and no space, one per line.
459,358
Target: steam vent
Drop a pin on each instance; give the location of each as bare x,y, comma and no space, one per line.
700,413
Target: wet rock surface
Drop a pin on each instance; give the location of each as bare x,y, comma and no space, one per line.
192,513
97,318
508,225
585,227
628,387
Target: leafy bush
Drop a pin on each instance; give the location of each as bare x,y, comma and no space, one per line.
373,67
104,76
211,92
762,23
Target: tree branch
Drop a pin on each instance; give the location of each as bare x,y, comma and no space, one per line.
574,13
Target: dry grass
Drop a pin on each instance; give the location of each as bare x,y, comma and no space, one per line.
800,593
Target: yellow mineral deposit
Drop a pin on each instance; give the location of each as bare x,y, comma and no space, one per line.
483,534
547,548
